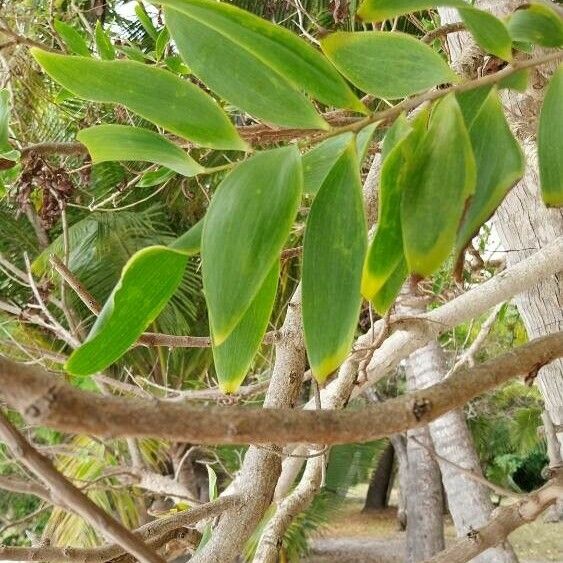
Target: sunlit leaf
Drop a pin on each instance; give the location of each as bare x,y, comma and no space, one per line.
148,281
388,65
550,142
155,94
500,164
106,50
333,255
234,356
72,39
440,180
245,228
537,23
257,66
122,142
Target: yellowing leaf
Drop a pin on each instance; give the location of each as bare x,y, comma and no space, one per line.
388,292
333,255
153,93
121,142
388,65
234,356
245,228
440,180
550,142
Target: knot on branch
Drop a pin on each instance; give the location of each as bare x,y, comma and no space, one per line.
420,407
40,408
473,535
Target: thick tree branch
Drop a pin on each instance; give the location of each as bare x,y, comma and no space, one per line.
47,400
504,521
70,496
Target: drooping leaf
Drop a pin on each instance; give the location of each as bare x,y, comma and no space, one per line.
388,65
386,249
155,94
259,67
333,256
389,291
550,142
536,23
234,356
440,180
8,154
122,142
148,281
74,42
245,228
489,32
106,50
500,164
318,162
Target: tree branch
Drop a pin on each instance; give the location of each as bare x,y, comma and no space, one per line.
70,496
46,400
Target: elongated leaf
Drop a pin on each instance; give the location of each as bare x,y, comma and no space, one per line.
155,94
388,65
386,249
146,21
489,32
500,164
106,50
121,142
148,281
7,152
257,66
72,39
234,356
537,23
318,162
439,182
245,228
190,241
155,177
333,255
550,142
389,291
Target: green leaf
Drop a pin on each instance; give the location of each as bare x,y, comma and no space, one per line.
257,66
518,81
162,43
74,42
245,228
440,180
155,94
489,32
122,142
190,241
234,356
500,164
388,65
318,162
387,294
536,23
146,21
106,50
550,142
386,249
333,255
7,152
148,281
155,177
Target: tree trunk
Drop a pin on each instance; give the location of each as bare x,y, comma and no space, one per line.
377,495
400,446
523,222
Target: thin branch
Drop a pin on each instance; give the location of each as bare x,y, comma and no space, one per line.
46,400
70,496
16,485
443,31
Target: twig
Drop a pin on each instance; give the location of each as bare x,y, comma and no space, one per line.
443,31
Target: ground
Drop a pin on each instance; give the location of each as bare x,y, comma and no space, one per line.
357,537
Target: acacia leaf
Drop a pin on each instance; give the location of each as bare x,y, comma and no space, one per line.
246,226
233,357
155,94
441,178
122,142
550,142
257,66
333,254
387,65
